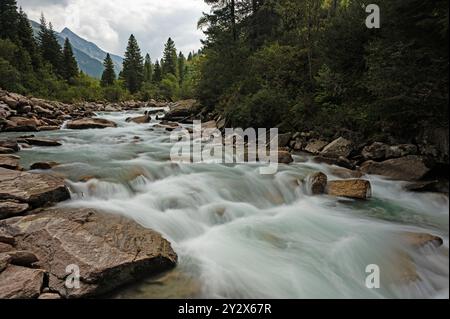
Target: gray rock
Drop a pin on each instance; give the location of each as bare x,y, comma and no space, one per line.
90,123
20,283
316,146
35,189
408,168
109,250
337,148
11,208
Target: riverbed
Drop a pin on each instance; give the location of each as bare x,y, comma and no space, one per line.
240,234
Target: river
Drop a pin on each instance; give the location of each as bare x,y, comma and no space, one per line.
240,234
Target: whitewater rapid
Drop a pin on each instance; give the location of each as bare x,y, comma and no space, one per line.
240,234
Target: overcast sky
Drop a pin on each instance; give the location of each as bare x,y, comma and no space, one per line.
109,23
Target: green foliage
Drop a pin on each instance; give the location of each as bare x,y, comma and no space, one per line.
170,59
9,19
69,64
133,66
157,76
313,64
109,75
148,69
169,87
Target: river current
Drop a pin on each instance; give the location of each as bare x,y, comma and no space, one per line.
240,234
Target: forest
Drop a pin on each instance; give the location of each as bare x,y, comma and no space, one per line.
291,64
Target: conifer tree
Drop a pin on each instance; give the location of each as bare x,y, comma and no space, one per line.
69,65
26,39
181,67
157,74
148,69
109,75
133,66
49,47
9,19
170,59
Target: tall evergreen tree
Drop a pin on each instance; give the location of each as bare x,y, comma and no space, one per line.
133,66
26,38
148,69
69,65
49,47
170,59
9,19
109,75
157,74
181,67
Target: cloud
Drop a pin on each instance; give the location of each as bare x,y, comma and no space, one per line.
109,23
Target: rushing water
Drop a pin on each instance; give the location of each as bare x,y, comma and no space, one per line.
239,234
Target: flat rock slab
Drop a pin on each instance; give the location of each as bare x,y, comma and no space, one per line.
33,189
38,141
88,123
11,208
6,150
108,250
9,162
20,282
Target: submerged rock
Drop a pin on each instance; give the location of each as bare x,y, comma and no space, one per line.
89,123
43,165
353,188
108,250
34,189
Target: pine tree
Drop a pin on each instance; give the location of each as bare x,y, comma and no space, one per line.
49,47
69,65
169,62
26,38
157,74
181,67
133,66
9,19
148,69
109,75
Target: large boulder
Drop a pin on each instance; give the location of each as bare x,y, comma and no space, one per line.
9,161
18,282
315,146
144,119
380,151
182,109
408,168
21,124
88,123
34,189
338,148
352,188
108,250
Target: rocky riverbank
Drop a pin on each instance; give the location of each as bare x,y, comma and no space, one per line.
38,241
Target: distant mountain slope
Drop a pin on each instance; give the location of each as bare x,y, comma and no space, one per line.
88,55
